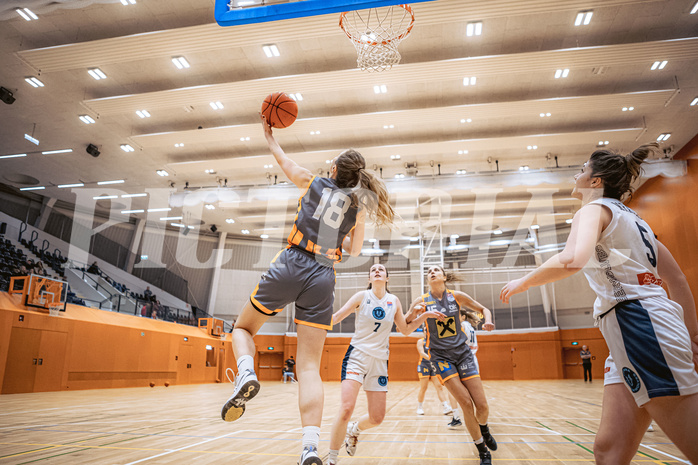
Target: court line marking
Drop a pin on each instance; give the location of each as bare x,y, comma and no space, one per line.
664,453
182,448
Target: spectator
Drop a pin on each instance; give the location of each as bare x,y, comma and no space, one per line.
144,311
585,353
94,268
288,370
147,293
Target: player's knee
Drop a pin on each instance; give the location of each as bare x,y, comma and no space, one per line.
376,418
345,411
602,450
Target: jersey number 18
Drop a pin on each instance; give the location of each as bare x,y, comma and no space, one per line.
333,215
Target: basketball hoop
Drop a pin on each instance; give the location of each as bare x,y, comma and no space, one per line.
376,34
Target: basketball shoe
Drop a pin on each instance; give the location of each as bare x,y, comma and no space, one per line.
310,457
351,439
487,436
420,411
455,423
246,387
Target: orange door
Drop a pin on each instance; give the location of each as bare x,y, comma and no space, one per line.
22,361
572,363
49,370
184,361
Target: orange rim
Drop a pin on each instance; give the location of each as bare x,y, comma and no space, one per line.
385,42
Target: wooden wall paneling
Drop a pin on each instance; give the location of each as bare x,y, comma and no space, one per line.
22,359
51,363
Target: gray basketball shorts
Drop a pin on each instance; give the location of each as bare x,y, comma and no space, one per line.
296,276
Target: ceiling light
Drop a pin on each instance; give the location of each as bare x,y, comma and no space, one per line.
466,120
535,226
31,139
382,89
266,167
271,50
395,157
313,133
569,220
602,143
87,119
562,73
179,145
162,173
245,231
180,62
694,9
473,29
664,136
469,81
658,65
128,196
523,168
104,183
105,197
97,74
127,148
297,96
126,212
695,100
216,105
532,147
461,172
179,225
243,139
26,13
583,17
497,232
143,113
264,236
37,188
389,126
52,152
399,176
34,82
210,207
64,186
229,220
210,171
169,218
166,209
128,2
17,155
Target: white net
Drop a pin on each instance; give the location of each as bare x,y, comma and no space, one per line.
376,34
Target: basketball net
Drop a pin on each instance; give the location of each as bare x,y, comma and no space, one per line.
376,34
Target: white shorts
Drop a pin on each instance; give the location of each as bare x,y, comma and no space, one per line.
650,349
370,371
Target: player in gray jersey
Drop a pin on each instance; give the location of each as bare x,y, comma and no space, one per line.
447,347
653,341
366,359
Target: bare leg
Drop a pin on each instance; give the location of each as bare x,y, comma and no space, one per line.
423,385
439,389
310,391
376,410
246,326
477,393
622,426
350,390
678,418
460,393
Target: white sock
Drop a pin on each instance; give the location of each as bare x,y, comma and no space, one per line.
311,436
356,430
245,362
447,405
419,404
480,441
333,455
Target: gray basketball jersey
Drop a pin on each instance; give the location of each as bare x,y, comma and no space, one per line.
448,334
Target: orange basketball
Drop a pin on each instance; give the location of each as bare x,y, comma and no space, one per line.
280,110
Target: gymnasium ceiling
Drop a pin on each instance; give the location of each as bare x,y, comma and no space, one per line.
427,116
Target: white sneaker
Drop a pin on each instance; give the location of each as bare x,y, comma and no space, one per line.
246,387
650,429
309,456
420,411
448,410
351,439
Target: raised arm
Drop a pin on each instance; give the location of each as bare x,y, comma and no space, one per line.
296,174
416,308
349,307
464,300
587,225
679,292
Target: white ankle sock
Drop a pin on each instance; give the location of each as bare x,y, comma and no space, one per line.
480,441
311,436
245,362
333,455
419,404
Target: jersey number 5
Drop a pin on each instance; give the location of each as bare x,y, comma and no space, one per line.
650,256
333,215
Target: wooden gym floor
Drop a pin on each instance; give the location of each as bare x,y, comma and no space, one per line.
535,422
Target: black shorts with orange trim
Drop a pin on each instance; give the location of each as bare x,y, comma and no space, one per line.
296,276
456,362
425,369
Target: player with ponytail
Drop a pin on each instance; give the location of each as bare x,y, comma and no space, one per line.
653,341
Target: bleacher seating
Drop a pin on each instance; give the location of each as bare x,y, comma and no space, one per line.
11,261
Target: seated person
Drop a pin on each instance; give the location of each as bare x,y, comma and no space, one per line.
94,268
288,370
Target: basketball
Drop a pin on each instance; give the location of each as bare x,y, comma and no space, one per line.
280,110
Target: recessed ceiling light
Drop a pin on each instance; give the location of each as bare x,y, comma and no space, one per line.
37,188
628,108
243,139
381,89
127,148
297,96
170,218
545,115
210,171
87,119
162,173
17,155
143,113
473,29
664,136
128,196
264,236
229,220
461,172
395,157
583,17
34,82
399,176
497,232
658,65
532,147
271,50
105,197
65,186
104,183
313,133
466,120
389,126
180,62
469,81
53,152
26,13
245,231
523,168
602,143
210,207
216,105
165,209
97,74
462,152
535,226
562,73
179,145
266,167
126,212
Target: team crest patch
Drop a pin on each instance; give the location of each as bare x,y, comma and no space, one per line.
378,313
631,379
450,297
383,380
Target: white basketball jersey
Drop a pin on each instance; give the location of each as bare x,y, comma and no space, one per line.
470,333
624,264
374,322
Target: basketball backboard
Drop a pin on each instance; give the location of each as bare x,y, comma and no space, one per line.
237,12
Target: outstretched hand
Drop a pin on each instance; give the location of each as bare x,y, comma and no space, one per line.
512,287
488,326
265,125
435,314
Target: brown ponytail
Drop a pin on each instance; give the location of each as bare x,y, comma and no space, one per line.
372,193
471,316
618,172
